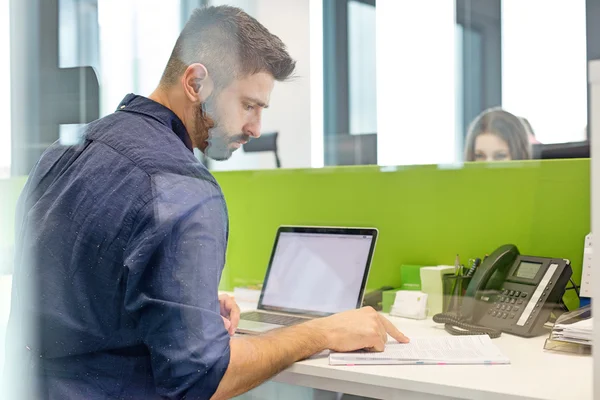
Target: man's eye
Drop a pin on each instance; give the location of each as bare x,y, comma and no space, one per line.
248,107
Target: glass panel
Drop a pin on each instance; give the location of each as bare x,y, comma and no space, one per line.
95,235
5,129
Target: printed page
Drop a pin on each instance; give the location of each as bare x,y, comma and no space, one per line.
477,349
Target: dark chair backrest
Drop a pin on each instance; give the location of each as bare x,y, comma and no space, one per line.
266,142
561,150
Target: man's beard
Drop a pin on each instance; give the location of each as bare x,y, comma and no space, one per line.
220,143
217,140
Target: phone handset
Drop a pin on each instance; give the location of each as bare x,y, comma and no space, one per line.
489,278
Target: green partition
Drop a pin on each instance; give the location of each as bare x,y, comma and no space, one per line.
425,214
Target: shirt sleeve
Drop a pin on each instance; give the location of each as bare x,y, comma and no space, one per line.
174,263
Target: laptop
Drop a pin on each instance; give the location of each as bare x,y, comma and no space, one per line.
313,272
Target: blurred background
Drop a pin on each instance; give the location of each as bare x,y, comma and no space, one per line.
377,82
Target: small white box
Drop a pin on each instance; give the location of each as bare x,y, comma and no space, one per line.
410,304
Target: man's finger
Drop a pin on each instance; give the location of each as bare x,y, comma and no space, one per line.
227,323
393,331
382,330
378,346
234,316
223,299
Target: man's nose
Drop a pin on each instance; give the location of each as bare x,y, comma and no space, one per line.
252,129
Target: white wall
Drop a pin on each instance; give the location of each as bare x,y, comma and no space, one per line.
290,108
317,159
133,53
415,82
544,76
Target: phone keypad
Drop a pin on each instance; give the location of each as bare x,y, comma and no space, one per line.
508,304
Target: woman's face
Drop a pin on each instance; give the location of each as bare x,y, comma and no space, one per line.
490,147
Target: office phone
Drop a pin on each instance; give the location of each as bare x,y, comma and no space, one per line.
511,293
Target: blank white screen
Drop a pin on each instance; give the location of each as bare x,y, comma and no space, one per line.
317,272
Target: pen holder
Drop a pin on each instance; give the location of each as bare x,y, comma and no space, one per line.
454,288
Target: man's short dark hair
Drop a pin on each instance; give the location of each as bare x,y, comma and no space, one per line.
230,44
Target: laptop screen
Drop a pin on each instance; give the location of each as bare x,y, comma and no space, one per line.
318,273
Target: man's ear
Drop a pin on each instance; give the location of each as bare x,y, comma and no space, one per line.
197,84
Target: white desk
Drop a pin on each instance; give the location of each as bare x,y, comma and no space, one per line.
534,373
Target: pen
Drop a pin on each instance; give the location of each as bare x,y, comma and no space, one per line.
456,265
471,270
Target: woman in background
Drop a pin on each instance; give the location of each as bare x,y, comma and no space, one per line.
497,135
530,132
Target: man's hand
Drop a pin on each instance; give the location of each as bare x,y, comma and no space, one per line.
255,359
363,328
230,312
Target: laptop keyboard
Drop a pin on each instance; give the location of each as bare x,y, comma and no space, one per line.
272,318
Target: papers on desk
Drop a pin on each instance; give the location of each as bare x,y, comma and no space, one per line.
439,350
578,332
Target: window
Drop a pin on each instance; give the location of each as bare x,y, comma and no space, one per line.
116,40
437,68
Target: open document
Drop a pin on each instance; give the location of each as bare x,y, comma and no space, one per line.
476,349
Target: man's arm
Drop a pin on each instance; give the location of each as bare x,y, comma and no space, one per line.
255,359
173,264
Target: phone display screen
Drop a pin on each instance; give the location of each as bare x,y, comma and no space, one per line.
527,270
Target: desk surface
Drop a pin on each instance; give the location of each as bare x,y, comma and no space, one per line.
534,373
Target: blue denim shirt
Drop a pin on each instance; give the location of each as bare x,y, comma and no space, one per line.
119,252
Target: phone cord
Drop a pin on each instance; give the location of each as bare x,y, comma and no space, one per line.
455,326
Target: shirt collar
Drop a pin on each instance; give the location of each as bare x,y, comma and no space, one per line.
143,105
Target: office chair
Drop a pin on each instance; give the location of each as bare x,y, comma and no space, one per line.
561,150
266,142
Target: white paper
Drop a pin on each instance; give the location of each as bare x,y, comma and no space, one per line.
578,332
585,325
476,349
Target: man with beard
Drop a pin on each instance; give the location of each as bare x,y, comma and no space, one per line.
123,238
